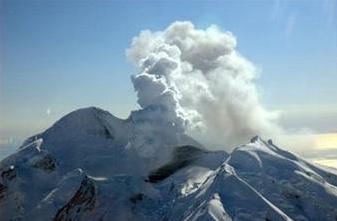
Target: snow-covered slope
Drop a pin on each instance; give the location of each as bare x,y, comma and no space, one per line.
91,165
300,189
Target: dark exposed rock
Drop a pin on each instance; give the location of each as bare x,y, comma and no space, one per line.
47,163
3,189
182,156
83,201
270,142
107,134
254,139
9,174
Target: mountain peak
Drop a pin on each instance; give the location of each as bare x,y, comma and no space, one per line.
82,116
142,170
85,121
255,139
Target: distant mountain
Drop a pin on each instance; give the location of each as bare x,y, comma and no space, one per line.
91,165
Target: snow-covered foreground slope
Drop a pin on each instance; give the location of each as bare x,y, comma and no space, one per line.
91,165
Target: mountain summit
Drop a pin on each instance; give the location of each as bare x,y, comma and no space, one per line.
91,165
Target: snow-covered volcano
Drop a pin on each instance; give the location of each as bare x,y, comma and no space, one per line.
91,165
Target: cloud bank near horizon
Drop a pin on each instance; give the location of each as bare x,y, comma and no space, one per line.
204,84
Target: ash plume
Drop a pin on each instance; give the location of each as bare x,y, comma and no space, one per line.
202,82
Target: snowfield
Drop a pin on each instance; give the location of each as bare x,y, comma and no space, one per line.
91,165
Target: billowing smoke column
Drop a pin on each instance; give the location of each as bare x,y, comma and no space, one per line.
204,85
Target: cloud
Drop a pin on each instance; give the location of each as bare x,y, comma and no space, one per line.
313,146
205,86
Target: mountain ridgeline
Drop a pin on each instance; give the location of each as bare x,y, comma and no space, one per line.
93,166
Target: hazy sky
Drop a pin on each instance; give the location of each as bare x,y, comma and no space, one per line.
57,56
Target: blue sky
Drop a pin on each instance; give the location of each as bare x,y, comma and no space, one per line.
61,55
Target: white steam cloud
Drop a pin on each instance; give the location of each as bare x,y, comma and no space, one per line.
201,81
